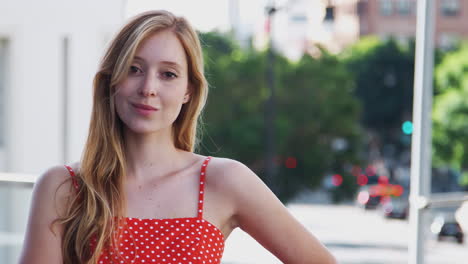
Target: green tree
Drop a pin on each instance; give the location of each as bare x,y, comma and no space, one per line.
450,113
314,107
384,84
233,113
317,108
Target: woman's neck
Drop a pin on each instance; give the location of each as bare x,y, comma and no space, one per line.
145,152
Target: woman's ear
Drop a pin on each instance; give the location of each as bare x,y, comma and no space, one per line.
188,94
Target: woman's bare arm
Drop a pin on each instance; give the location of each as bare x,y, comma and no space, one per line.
41,245
262,215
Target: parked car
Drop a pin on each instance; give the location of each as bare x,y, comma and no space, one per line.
396,207
367,199
447,227
371,196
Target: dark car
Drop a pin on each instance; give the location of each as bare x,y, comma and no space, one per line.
373,202
367,199
451,230
447,228
396,207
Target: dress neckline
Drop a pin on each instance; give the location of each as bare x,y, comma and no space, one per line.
127,218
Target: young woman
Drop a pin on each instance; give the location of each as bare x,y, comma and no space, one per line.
140,194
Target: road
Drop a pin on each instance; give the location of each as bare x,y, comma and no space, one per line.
353,235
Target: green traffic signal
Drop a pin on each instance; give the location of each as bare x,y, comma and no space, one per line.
407,127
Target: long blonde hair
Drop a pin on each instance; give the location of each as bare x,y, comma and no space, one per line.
100,199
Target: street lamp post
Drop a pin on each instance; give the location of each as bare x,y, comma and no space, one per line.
270,165
421,139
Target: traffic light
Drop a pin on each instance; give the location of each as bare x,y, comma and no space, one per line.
407,127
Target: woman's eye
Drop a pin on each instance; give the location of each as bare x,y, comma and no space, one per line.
169,75
134,69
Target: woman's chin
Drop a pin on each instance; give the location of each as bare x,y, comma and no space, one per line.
143,129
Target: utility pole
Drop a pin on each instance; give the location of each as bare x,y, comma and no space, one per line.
421,140
270,114
234,18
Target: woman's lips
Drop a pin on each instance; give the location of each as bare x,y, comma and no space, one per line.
144,110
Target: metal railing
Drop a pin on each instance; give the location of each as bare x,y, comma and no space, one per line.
441,200
435,200
6,177
14,210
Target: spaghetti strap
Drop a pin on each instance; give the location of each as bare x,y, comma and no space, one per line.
171,240
72,174
202,187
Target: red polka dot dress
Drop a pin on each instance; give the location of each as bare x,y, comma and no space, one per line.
188,240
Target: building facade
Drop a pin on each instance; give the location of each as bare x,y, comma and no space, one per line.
301,26
397,18
49,52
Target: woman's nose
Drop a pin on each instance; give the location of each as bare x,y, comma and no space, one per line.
149,86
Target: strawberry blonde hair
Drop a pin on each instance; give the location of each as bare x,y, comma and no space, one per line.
95,211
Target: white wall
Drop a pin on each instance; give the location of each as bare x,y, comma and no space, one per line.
35,30
38,134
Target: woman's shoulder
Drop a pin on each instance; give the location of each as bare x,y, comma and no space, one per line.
56,174
49,202
56,180
225,163
228,174
52,191
225,166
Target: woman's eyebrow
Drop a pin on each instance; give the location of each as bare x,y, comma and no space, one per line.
172,64
136,58
169,63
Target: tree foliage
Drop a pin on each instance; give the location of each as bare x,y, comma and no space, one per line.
384,83
450,114
315,107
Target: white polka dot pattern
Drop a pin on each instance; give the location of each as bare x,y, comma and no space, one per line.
189,240
172,241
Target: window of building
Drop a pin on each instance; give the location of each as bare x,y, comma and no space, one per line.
3,83
405,7
329,13
385,36
361,8
448,41
386,7
298,18
402,39
450,7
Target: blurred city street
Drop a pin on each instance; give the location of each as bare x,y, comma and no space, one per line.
356,100
354,235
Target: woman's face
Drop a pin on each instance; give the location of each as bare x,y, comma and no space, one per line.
151,96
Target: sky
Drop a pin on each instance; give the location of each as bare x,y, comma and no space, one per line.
205,15
209,15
